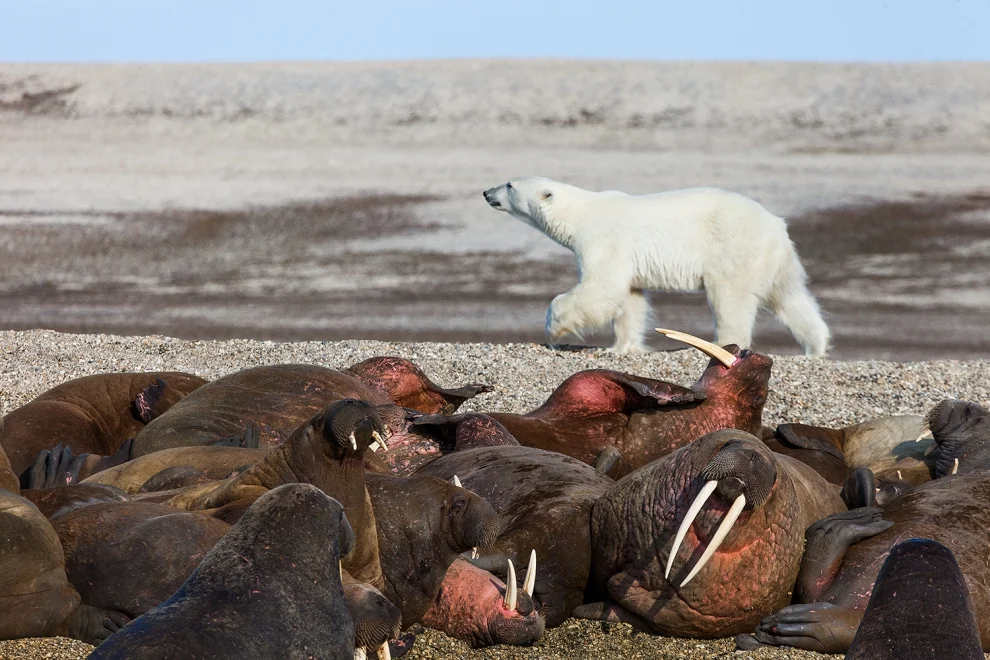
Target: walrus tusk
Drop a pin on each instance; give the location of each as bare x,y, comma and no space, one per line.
360,654
457,482
955,466
899,477
353,442
474,552
529,582
375,446
510,589
692,513
723,530
706,347
384,652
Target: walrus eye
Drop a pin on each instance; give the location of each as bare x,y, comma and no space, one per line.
459,503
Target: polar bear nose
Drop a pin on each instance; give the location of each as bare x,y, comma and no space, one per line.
489,196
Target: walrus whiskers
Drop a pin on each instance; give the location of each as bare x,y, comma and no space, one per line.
529,582
706,347
510,589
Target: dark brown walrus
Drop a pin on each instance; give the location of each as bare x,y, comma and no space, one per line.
706,541
424,523
130,556
846,551
327,451
270,588
92,415
544,501
277,399
644,418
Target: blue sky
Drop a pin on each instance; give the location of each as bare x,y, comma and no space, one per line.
239,30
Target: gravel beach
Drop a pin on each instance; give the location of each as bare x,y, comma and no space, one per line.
817,391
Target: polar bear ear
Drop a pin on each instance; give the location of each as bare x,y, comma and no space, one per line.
546,194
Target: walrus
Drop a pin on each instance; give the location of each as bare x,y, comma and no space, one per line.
644,418
36,598
210,463
92,415
406,385
895,447
920,608
57,502
271,587
277,399
705,541
130,556
326,451
846,551
423,524
544,501
476,607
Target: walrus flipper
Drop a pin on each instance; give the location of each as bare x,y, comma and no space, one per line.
54,468
860,489
816,438
650,393
457,395
147,404
826,542
249,439
92,625
607,459
818,627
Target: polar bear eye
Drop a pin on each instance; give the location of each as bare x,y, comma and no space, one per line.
508,186
546,195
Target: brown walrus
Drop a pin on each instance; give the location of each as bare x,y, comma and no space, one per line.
92,415
277,399
544,501
644,418
270,588
208,462
706,541
326,451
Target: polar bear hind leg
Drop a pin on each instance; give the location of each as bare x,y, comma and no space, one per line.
630,323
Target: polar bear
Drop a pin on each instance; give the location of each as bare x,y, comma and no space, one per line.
682,240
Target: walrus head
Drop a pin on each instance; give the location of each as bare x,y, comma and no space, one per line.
343,429
707,540
733,375
962,434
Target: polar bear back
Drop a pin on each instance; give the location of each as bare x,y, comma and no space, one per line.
674,240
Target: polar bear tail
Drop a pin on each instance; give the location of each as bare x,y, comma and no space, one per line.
793,304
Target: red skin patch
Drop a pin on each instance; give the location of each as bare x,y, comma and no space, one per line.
470,608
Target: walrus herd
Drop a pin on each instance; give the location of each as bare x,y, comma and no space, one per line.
300,511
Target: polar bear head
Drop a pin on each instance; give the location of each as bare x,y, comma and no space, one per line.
540,203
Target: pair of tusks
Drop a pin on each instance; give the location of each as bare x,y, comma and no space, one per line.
723,529
379,442
384,653
529,582
706,347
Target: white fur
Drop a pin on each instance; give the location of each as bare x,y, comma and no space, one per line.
683,240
